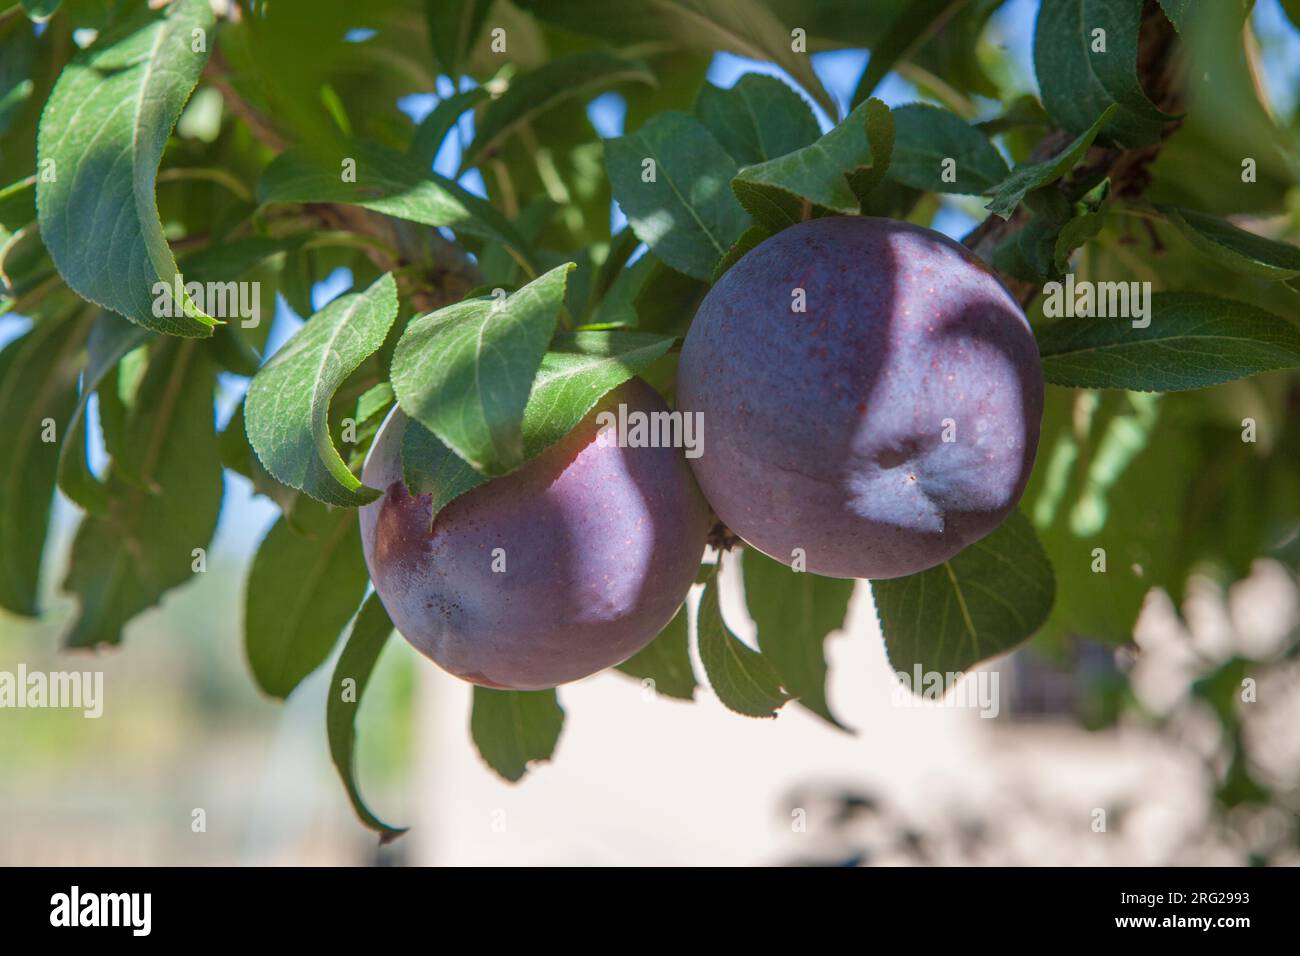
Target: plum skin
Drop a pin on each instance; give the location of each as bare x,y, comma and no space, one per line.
601,545
825,428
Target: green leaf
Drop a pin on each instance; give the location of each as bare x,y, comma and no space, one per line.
742,678
1114,473
539,90
100,142
303,588
433,129
388,182
38,376
579,369
431,468
287,408
454,25
747,28
1078,83
666,661
982,602
685,213
111,338
370,632
926,137
18,58
513,728
165,485
1192,340
757,119
1235,248
795,613
751,237
814,181
911,27
1006,196
880,137
465,371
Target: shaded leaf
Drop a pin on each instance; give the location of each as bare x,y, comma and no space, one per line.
303,588
1083,72
1006,196
38,375
165,486
911,27
989,597
925,137
101,139
433,129
685,213
743,679
1193,340
388,182
370,633
1235,248
795,612
513,728
666,661
813,181
757,119
111,338
538,90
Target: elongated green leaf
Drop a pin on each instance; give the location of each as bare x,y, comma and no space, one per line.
513,728
985,600
454,25
822,179
745,27
287,408
1006,196
101,139
38,375
165,483
370,632
18,54
577,371
795,612
666,661
538,90
303,588
670,177
431,468
385,181
1085,55
912,25
433,129
927,138
743,679
757,119
111,338
1192,340
465,371
750,238
1235,248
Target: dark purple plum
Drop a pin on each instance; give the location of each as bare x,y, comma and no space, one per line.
600,544
886,426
